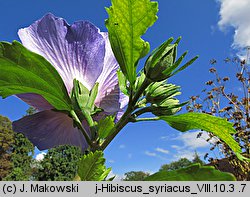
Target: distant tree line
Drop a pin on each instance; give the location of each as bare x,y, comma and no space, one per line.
175,165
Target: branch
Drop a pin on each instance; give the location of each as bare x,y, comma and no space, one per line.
126,118
147,119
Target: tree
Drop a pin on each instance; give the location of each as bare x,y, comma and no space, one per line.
175,165
16,153
22,156
233,104
181,163
6,141
135,176
31,111
197,159
59,164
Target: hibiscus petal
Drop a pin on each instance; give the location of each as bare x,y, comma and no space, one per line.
36,101
48,129
109,96
76,51
123,100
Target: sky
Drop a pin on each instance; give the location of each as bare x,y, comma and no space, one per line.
209,28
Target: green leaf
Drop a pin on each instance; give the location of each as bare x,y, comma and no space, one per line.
91,167
195,172
111,178
105,126
128,21
92,97
122,82
139,80
22,71
79,95
218,126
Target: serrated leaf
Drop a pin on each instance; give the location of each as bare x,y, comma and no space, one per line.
218,126
195,172
105,126
22,71
91,167
128,21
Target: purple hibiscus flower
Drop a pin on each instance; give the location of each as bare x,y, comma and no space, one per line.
78,51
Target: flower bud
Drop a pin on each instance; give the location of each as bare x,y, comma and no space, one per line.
161,59
167,108
158,92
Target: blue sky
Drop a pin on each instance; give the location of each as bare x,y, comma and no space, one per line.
208,30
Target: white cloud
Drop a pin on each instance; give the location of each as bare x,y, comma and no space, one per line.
130,155
176,147
189,154
151,154
111,161
122,146
240,89
164,137
236,14
161,150
190,140
40,156
191,144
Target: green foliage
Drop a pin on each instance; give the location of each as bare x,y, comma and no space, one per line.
21,158
22,71
6,141
175,165
31,111
18,174
83,101
135,176
197,159
83,98
59,164
218,126
105,127
92,167
181,163
122,82
128,21
195,172
16,153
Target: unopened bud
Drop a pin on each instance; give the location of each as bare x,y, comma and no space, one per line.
161,59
